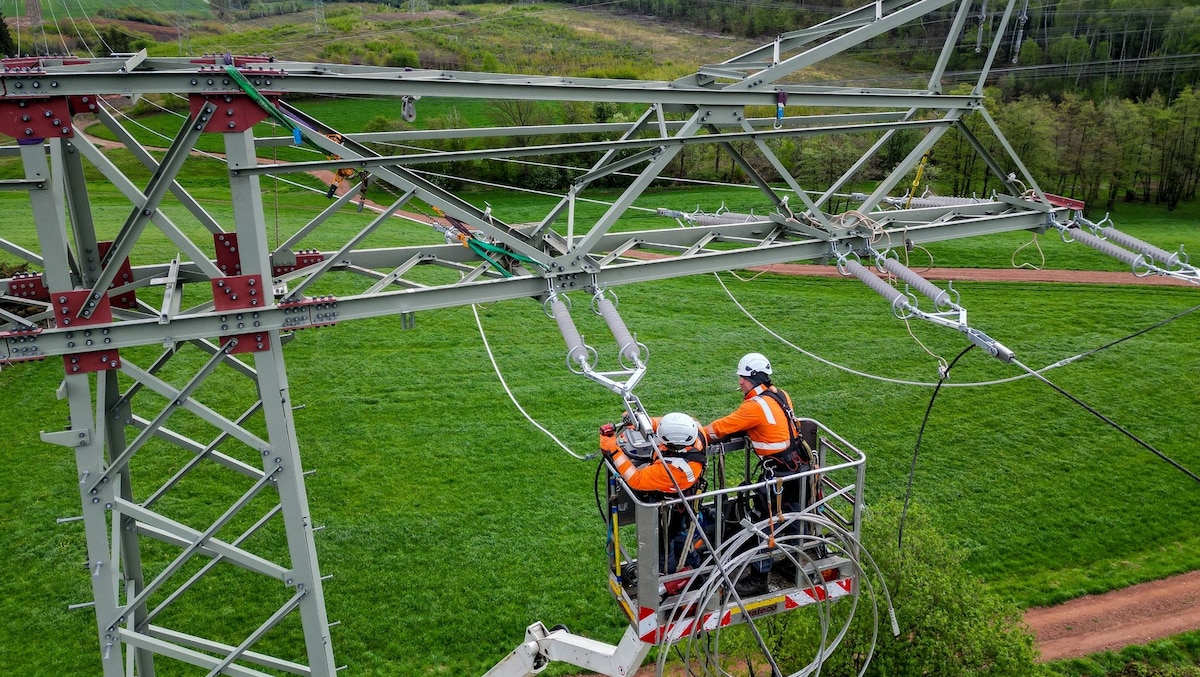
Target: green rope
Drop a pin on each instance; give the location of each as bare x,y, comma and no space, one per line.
500,250
265,103
480,249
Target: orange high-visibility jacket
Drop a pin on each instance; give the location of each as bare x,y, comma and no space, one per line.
654,476
762,420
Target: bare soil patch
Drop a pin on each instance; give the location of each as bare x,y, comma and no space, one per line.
159,33
1135,615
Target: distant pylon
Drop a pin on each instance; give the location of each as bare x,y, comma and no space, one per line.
185,37
319,16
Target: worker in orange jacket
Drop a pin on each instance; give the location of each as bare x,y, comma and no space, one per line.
677,465
762,416
765,417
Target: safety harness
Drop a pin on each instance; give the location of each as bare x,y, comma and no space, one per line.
797,453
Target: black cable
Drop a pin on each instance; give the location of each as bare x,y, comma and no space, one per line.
596,489
912,470
946,374
1113,423
1135,334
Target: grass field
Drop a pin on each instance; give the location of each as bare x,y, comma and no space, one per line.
452,523
448,515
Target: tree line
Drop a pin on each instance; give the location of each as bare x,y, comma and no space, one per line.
1099,48
1099,152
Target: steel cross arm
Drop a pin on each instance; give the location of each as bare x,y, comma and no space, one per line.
840,44
926,216
862,162
162,179
317,220
568,201
914,156
219,648
783,172
939,69
792,40
184,654
208,324
326,265
976,225
1012,155
626,91
384,161
404,179
169,531
607,127
766,55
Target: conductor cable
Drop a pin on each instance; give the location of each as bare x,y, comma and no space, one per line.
1146,445
487,346
1061,363
912,468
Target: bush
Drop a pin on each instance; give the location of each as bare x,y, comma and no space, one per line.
949,623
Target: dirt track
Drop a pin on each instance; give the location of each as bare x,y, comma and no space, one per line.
1109,622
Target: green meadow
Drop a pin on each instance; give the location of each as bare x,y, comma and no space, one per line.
451,522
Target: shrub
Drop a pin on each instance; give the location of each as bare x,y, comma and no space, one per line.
950,624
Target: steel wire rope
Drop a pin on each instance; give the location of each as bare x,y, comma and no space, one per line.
1025,264
94,29
519,189
630,175
976,384
1118,427
837,538
45,40
488,347
57,29
75,27
695,520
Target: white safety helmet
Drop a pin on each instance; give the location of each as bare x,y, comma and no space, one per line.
679,430
754,363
